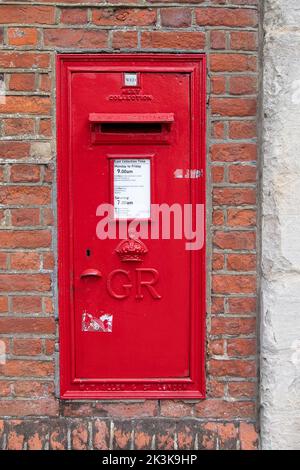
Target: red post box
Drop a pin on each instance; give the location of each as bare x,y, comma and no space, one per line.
131,173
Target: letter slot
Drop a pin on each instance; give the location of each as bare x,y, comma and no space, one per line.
135,128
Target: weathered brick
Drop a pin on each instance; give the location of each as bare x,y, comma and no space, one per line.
173,40
33,14
176,17
228,284
79,436
232,152
73,16
101,434
27,325
22,36
67,37
124,16
124,39
226,17
232,326
248,437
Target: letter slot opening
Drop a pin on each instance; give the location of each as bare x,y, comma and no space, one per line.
131,128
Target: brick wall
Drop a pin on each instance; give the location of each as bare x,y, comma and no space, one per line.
31,32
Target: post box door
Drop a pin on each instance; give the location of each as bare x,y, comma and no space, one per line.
131,161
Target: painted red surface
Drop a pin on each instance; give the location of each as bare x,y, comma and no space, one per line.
155,348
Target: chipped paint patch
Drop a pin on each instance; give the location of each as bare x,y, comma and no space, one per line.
101,324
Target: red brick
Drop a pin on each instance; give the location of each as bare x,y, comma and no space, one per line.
25,195
241,217
233,107
232,368
242,305
15,150
122,435
242,174
25,173
22,82
143,435
232,63
25,239
22,36
128,410
226,17
217,174
124,16
217,305
218,217
243,40
27,325
215,389
3,304
28,13
45,407
242,389
27,347
49,347
223,436
26,304
24,261
18,126
15,441
176,17
165,436
218,39
218,85
45,127
63,37
23,60
241,262
241,347
232,152
22,368
25,217
5,391
175,409
232,326
73,16
124,39
26,105
235,240
33,389
48,218
228,284
218,130
45,82
48,305
242,85
216,347
226,410
235,196
30,282
248,437
48,261
100,435
3,260
58,438
242,129
173,40
218,262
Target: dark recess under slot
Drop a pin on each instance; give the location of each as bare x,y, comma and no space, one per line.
130,128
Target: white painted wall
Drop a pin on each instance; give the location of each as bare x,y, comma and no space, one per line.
280,334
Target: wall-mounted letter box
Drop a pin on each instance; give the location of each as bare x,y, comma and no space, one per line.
131,195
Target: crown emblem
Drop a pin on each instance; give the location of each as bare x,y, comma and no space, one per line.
131,250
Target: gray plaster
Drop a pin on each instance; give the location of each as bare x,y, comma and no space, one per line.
280,326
